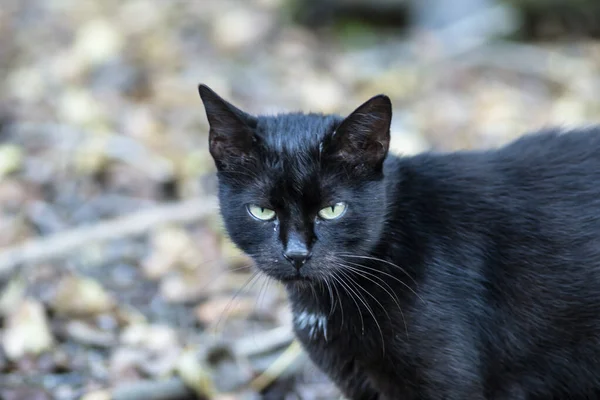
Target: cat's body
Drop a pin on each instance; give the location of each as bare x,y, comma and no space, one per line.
505,250
469,275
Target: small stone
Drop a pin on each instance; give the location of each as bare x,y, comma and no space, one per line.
86,334
27,330
125,363
90,156
78,107
154,349
152,337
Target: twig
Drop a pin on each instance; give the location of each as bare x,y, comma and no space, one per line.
175,388
283,362
58,245
168,389
268,341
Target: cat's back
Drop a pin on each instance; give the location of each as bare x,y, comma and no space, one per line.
535,200
552,152
515,233
552,164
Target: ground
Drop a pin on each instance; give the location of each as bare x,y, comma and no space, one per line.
100,121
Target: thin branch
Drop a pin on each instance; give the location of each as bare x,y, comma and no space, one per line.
44,249
167,389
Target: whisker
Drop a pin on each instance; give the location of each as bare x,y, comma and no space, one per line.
332,303
368,307
388,275
261,293
341,282
314,294
392,295
380,260
365,275
260,297
339,300
222,271
229,304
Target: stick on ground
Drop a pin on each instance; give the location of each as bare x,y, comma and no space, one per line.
60,244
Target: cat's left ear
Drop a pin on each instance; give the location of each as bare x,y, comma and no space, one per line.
231,136
363,138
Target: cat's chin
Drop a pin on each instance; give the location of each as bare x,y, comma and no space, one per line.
297,281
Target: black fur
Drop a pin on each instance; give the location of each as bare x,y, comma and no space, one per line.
469,275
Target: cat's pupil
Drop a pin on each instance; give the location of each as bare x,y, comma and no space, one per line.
332,208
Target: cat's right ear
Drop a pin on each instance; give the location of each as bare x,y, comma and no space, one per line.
362,139
231,136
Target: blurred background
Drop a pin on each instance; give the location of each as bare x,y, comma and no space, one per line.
116,278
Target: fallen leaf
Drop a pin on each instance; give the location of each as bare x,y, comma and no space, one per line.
81,297
11,159
99,395
11,295
27,330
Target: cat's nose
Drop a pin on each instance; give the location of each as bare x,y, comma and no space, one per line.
296,250
297,256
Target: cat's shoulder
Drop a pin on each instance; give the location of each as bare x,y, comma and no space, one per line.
561,140
545,146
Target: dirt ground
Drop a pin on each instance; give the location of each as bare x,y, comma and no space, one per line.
116,278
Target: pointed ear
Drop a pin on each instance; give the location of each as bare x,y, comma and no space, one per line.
231,136
363,138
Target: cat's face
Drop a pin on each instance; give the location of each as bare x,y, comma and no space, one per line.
299,191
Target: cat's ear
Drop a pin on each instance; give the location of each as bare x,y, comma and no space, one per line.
231,136
363,138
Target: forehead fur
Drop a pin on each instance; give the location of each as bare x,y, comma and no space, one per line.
295,132
291,150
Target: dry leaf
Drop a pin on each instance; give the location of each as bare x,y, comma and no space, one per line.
81,297
27,330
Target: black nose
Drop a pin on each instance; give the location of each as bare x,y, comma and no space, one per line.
297,256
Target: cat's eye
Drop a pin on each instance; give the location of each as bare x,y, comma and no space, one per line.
264,214
333,212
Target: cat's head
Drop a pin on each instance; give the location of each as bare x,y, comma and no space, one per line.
299,191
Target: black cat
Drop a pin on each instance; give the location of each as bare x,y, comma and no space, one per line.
469,275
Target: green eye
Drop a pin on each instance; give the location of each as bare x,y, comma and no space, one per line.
333,212
264,214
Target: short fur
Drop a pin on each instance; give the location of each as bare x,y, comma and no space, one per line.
468,275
